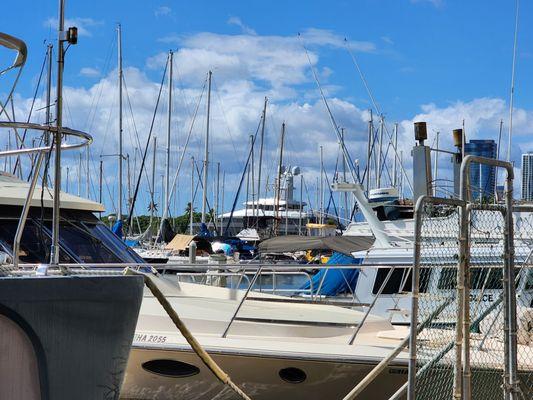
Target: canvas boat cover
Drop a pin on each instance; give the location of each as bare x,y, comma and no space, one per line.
180,242
341,244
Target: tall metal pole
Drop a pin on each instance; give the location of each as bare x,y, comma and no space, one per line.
252,181
169,124
191,206
301,205
217,199
128,184
206,152
152,194
436,167
48,95
280,163
248,183
395,164
380,151
119,204
261,143
511,99
222,206
369,154
346,211
321,185
54,253
497,158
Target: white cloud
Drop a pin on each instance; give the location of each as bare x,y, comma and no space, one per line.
278,61
90,72
246,68
244,28
84,25
162,11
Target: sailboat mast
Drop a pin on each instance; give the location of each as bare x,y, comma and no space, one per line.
48,93
436,165
169,124
120,173
222,203
217,192
54,253
346,215
152,194
100,181
395,164
261,143
380,155
321,185
280,163
369,154
191,206
206,151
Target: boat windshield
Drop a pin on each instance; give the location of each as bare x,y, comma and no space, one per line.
34,245
83,239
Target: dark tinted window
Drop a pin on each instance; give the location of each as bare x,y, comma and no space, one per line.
34,245
113,242
88,248
395,280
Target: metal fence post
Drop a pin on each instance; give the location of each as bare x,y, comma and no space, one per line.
509,290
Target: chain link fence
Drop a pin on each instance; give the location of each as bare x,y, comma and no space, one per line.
523,241
437,242
472,298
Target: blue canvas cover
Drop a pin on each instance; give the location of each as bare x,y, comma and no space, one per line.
334,281
117,229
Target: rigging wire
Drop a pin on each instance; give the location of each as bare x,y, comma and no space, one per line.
17,162
331,117
376,107
137,184
174,181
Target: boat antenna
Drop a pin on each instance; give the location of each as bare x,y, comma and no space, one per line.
71,37
511,98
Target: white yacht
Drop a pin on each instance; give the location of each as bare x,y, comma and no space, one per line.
273,215
63,335
273,348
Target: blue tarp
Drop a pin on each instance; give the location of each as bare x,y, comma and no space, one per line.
117,229
334,281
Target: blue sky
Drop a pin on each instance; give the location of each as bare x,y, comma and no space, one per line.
438,60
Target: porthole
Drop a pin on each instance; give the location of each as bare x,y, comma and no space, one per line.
292,375
170,368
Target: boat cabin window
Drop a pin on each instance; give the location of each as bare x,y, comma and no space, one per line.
88,248
34,245
110,240
394,284
488,278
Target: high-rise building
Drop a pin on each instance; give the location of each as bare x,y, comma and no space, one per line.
527,176
482,177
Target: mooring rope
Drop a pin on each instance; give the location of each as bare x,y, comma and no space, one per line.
197,348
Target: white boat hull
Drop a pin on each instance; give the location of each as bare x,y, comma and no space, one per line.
258,376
